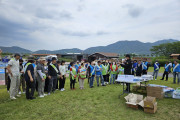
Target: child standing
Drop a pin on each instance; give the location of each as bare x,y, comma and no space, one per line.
73,75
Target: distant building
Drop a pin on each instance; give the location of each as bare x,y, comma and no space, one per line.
101,55
74,56
174,56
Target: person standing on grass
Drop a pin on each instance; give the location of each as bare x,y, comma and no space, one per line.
73,76
105,67
29,77
62,69
109,71
82,75
145,66
77,67
22,81
41,76
127,64
156,69
98,70
114,69
14,74
139,68
91,71
58,79
53,72
167,69
176,72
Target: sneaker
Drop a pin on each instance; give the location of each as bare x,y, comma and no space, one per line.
155,79
49,94
61,90
8,91
45,94
107,83
20,93
41,96
13,98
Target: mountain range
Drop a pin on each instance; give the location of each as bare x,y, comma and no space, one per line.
120,47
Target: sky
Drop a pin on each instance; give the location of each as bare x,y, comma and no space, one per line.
62,24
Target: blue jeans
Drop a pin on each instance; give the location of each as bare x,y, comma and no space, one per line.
178,77
113,76
91,81
97,79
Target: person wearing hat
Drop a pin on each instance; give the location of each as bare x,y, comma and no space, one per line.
14,74
29,77
156,69
41,76
127,64
53,72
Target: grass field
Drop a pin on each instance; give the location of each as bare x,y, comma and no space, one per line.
99,103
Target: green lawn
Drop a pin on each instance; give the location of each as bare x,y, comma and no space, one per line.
99,103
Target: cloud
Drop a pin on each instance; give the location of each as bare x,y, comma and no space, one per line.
133,10
63,24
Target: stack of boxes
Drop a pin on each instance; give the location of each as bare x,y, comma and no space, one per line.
150,104
155,92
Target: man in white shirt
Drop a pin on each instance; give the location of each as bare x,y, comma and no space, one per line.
14,73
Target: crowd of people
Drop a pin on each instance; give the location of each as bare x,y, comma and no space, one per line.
48,76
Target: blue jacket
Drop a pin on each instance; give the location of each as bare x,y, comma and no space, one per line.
177,68
77,67
146,64
155,67
98,71
92,69
167,69
134,66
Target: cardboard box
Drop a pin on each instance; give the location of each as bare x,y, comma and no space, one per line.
151,110
133,100
149,102
155,92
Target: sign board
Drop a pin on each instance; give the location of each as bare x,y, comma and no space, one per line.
127,78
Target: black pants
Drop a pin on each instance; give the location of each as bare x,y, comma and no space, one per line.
133,73
144,72
30,85
138,73
52,84
46,85
58,84
105,78
165,73
72,83
62,82
8,83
